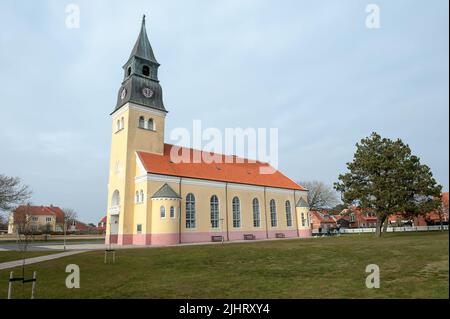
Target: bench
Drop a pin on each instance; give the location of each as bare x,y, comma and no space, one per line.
280,235
217,238
249,237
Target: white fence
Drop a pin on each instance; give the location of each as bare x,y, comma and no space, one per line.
392,229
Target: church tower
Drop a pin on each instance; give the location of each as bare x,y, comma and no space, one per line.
137,125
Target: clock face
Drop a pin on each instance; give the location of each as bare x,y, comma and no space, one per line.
123,93
148,93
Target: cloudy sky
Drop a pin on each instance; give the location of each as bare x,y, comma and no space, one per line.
310,68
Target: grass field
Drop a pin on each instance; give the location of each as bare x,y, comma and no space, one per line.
412,265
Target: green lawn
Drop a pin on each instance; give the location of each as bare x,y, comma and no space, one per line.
6,256
412,265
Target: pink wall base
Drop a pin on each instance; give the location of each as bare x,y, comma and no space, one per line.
113,239
305,233
198,237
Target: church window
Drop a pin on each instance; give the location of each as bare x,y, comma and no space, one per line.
172,212
150,125
236,213
256,213
214,211
122,125
129,71
141,196
146,70
139,228
141,122
273,213
115,198
303,219
137,197
162,212
118,125
190,211
288,214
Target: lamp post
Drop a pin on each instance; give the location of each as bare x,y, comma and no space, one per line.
65,227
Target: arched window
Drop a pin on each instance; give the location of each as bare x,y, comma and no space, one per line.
303,220
288,214
141,122
162,212
142,196
236,213
150,125
129,71
214,211
273,213
122,125
146,70
118,125
137,197
172,212
256,213
115,201
190,211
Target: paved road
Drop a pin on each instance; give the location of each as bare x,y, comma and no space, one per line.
55,245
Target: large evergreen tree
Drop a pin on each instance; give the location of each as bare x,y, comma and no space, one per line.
386,178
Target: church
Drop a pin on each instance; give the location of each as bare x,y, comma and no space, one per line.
153,200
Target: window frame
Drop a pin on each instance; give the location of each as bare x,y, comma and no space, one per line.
152,126
214,213
141,122
191,222
273,214
236,210
256,213
288,207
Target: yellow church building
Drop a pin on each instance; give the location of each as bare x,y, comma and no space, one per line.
153,200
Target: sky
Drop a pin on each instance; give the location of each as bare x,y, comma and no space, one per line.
312,69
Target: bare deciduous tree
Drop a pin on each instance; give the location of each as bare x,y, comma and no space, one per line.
70,215
3,222
12,192
23,223
320,195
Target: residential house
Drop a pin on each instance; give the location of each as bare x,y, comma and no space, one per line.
36,219
323,222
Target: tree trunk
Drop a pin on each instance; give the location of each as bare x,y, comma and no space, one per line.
385,225
378,227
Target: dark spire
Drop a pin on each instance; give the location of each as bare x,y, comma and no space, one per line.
140,83
142,48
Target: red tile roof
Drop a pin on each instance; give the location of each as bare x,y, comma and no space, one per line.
41,211
323,217
247,172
